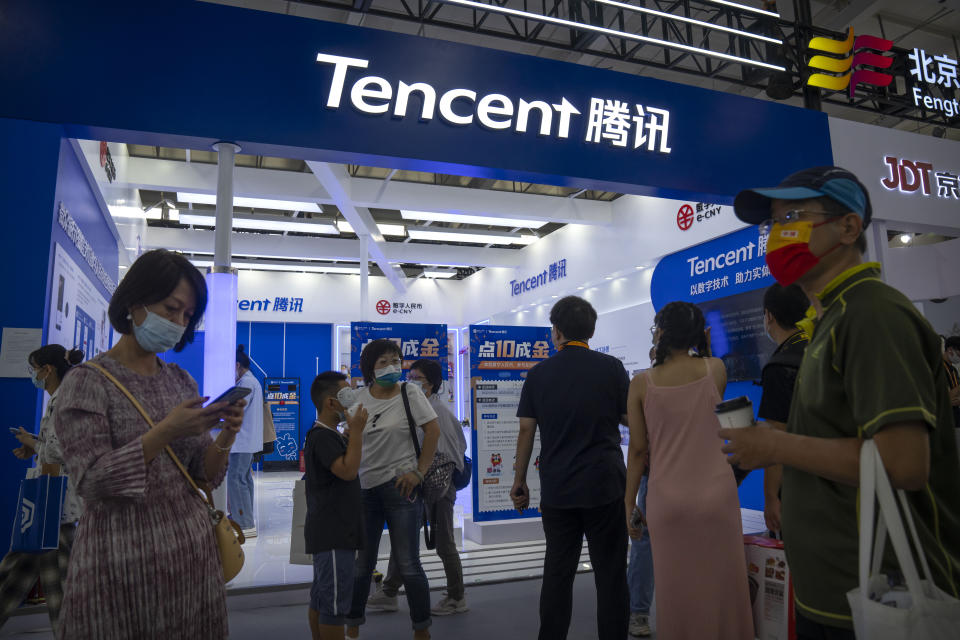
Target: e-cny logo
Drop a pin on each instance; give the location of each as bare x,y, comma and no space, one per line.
384,307
686,215
855,54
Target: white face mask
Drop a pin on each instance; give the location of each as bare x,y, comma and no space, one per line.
347,397
157,334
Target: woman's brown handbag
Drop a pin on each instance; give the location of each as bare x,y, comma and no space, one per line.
228,534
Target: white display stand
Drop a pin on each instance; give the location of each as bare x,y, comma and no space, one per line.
503,531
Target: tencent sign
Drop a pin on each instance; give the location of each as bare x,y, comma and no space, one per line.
615,122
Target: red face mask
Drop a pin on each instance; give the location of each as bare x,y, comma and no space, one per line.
788,251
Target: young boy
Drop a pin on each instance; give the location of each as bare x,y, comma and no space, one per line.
333,528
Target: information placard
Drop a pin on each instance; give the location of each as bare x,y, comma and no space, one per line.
282,396
500,357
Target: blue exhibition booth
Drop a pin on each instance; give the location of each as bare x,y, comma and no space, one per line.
298,88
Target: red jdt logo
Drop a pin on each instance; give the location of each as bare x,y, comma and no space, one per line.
383,307
685,217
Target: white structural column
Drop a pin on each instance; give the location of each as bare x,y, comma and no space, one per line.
220,319
365,278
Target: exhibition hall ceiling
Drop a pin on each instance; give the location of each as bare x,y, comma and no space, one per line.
292,215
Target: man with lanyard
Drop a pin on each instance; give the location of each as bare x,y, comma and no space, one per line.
872,370
783,308
578,399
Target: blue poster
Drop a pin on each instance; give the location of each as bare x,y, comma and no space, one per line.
500,357
416,341
282,396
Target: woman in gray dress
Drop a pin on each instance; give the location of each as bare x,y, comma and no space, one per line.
145,562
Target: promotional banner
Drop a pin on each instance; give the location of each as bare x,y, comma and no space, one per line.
78,311
500,357
416,341
726,278
728,265
282,396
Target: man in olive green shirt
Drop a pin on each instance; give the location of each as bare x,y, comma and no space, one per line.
872,370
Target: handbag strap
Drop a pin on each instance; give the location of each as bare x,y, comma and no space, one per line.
879,488
109,376
429,535
410,421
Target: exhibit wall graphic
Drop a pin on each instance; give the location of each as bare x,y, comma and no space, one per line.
500,358
78,311
416,341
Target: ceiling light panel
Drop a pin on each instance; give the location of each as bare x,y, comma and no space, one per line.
699,23
473,237
389,230
480,6
262,223
254,203
437,273
432,216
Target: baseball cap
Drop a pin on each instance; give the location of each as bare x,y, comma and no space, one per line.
753,205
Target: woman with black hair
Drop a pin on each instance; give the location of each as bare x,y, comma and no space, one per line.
693,511
390,479
145,562
453,445
19,571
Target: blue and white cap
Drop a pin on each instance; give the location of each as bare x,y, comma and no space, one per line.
753,205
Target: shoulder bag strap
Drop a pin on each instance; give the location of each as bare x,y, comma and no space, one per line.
410,421
146,417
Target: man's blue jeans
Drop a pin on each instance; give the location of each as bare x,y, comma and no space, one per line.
640,567
240,489
384,503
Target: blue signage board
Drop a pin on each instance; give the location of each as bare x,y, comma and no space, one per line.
725,266
416,341
336,92
282,396
500,357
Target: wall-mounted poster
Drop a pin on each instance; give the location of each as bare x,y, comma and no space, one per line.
78,311
416,341
500,357
282,396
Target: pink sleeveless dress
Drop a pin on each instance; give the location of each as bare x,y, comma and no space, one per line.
693,513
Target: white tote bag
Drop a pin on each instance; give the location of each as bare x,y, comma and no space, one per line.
921,611
298,545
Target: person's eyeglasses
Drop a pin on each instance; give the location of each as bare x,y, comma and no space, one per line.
793,215
653,329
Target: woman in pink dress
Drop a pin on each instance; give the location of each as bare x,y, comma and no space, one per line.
693,512
144,561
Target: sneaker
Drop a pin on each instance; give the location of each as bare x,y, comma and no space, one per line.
639,625
380,601
250,533
448,606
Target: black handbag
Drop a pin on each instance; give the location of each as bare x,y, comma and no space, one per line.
462,478
436,481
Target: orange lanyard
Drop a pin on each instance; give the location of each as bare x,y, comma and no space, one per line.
574,343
